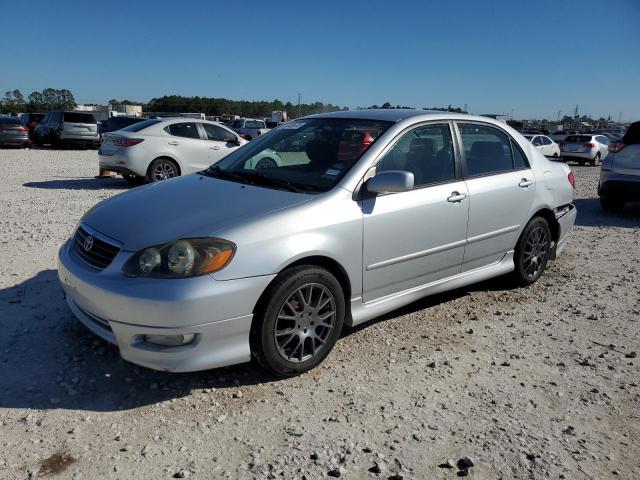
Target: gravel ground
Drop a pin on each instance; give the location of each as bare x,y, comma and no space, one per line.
529,383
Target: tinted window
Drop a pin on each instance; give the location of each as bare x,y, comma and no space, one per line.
75,117
519,160
10,120
136,127
537,141
577,139
219,134
546,141
487,149
186,130
427,152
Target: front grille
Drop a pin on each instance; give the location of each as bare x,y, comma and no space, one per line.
99,254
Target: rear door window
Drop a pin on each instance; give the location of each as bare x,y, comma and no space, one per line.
487,150
136,127
546,140
183,129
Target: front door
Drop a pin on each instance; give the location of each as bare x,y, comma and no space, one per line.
220,142
416,237
501,187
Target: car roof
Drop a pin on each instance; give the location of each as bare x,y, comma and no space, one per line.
398,114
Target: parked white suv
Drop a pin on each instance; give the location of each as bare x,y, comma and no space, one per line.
585,148
158,149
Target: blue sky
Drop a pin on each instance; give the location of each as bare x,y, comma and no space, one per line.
534,58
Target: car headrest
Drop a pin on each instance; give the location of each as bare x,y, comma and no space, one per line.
320,152
423,146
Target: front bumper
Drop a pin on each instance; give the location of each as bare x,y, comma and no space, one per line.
122,310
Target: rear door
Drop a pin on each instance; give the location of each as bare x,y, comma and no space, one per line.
416,237
501,187
184,142
220,141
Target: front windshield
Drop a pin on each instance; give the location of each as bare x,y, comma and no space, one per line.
309,155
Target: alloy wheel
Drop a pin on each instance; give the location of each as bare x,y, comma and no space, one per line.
305,322
164,171
535,253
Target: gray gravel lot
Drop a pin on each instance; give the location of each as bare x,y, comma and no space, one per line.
530,383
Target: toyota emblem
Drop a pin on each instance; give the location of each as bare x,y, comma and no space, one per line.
88,243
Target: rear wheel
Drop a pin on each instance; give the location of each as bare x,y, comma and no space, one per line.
162,169
532,252
596,160
266,162
613,205
299,322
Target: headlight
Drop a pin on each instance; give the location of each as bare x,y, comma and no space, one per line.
181,259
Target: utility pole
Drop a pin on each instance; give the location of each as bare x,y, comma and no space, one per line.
299,107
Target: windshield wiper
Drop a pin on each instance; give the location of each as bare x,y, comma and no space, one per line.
251,178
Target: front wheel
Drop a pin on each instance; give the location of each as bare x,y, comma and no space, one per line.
266,162
596,160
532,252
299,322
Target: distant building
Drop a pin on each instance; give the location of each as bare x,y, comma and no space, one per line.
102,112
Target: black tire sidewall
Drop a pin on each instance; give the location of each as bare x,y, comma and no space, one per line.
263,346
271,161
520,275
153,164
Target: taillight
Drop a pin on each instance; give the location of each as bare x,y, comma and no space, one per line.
258,133
572,180
127,142
589,145
616,147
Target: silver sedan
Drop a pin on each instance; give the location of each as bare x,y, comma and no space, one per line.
364,212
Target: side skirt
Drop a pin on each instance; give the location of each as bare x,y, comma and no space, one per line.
362,312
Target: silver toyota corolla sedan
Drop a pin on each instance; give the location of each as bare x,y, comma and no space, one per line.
365,212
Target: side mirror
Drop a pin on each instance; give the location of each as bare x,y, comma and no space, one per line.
234,141
390,181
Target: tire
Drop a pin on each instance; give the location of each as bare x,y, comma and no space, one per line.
596,160
290,307
162,169
134,179
555,155
266,162
611,205
532,252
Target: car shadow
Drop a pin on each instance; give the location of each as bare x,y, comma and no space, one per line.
591,214
50,360
114,183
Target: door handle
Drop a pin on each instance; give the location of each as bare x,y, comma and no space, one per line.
215,147
173,142
456,197
524,183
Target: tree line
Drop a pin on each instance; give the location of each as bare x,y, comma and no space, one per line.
49,99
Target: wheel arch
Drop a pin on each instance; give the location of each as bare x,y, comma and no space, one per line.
554,226
168,157
328,263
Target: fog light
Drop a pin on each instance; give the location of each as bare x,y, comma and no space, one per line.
170,340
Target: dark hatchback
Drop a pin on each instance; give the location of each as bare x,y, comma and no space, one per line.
12,132
112,124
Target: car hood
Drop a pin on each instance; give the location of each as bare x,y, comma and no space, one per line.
186,207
